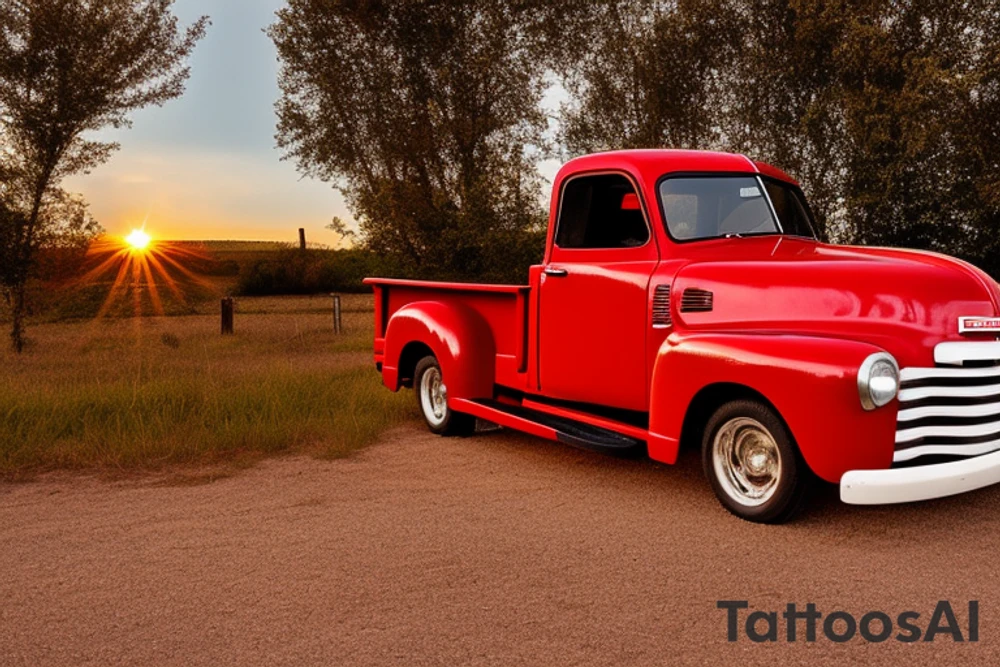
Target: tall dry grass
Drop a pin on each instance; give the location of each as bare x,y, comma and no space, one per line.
146,392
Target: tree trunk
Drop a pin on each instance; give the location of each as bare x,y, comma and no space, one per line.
17,307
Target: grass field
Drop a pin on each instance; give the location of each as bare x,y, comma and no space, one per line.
143,393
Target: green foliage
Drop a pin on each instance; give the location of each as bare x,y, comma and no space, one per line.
293,271
427,115
646,76
888,112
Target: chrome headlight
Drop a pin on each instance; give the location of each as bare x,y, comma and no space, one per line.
878,380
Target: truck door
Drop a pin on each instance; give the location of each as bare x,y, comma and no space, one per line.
593,296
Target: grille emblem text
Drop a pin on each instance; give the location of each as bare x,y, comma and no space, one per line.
978,324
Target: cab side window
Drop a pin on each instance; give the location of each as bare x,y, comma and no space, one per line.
601,212
791,209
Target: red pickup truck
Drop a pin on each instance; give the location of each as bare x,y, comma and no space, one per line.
685,300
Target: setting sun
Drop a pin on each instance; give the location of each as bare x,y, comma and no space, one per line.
138,239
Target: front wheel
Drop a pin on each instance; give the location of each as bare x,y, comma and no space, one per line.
432,398
753,464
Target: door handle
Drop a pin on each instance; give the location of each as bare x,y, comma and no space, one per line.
556,273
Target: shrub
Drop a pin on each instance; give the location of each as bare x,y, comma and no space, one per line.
294,271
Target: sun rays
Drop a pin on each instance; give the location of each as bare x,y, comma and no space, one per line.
141,265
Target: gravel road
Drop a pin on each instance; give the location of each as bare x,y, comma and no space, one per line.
494,550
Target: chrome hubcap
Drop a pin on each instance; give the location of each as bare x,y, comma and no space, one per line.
747,461
433,396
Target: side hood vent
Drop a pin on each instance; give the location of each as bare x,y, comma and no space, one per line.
697,300
661,307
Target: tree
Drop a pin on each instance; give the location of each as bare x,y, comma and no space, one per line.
913,106
648,75
881,109
781,102
69,68
426,115
65,228
345,235
886,111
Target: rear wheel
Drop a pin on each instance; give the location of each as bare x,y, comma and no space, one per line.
432,398
753,464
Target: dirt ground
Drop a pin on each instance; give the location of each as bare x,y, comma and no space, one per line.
499,549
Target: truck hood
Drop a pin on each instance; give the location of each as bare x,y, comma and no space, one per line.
903,301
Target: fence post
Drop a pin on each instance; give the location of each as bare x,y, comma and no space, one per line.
227,316
337,325
302,238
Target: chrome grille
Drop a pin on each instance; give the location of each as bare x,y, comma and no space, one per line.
661,307
948,411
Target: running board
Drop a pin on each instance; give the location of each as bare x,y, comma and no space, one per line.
563,429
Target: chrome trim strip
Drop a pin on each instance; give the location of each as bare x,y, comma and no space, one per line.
956,353
917,393
983,410
968,431
957,450
770,204
908,374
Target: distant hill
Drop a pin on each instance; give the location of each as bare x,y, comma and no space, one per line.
236,246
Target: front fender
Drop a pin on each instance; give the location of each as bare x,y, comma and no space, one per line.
458,336
810,381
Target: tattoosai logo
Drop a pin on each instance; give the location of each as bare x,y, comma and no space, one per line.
841,626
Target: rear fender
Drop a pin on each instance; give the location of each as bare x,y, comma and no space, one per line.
457,335
811,382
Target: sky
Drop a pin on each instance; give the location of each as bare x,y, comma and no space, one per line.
205,165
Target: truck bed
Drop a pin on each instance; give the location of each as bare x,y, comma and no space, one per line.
505,314
504,308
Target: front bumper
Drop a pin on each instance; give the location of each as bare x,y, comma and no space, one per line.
904,485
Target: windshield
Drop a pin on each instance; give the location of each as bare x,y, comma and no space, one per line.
704,207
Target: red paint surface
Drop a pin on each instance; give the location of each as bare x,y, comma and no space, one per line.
792,321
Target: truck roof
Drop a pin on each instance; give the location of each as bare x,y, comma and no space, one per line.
650,164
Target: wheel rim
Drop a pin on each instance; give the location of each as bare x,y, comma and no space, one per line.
747,461
433,397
